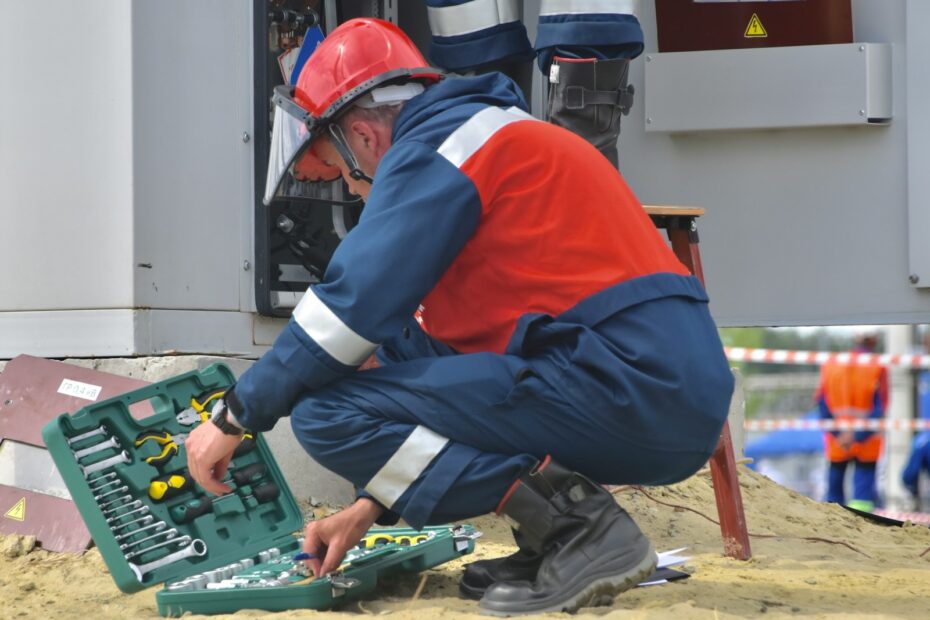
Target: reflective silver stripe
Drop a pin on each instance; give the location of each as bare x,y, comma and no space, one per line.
471,136
402,469
450,21
328,331
574,7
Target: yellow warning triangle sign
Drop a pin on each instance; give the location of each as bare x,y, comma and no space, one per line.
755,29
18,511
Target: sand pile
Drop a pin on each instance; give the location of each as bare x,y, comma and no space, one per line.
876,572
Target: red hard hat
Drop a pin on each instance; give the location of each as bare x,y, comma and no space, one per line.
357,57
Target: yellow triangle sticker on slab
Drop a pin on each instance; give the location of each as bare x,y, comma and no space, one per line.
18,511
755,29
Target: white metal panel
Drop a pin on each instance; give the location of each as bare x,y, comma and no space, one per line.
918,144
803,86
99,333
803,227
192,97
65,155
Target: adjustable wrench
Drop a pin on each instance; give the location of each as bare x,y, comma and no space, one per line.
197,548
112,442
122,457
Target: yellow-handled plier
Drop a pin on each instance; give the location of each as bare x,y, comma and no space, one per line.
170,445
199,411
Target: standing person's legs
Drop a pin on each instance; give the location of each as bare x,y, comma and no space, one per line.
865,492
836,477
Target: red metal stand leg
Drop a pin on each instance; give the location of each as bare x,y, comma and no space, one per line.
684,238
729,499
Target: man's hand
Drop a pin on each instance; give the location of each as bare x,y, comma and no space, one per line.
329,539
209,451
846,439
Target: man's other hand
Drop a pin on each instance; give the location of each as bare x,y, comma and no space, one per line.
329,539
209,451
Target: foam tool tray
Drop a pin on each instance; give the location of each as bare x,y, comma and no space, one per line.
152,524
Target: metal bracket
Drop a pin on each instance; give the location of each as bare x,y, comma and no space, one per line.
341,584
461,536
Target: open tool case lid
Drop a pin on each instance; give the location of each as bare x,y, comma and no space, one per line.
237,525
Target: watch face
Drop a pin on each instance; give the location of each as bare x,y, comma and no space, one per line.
219,411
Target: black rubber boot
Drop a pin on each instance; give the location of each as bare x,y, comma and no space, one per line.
588,97
592,550
520,566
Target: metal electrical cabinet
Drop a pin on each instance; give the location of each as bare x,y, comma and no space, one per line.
133,146
811,163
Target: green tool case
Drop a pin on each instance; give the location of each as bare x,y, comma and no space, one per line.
128,477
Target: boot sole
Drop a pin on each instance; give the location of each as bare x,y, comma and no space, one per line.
599,592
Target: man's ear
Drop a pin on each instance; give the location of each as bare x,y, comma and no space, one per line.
363,134
374,137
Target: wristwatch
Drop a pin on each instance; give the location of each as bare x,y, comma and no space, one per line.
220,417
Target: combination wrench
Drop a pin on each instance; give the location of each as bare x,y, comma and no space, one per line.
100,430
183,540
197,548
112,442
122,457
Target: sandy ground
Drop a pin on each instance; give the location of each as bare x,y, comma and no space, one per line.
881,574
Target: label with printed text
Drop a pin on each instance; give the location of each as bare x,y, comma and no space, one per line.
70,387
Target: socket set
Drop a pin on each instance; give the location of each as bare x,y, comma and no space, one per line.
276,579
153,524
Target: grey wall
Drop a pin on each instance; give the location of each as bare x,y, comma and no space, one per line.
803,227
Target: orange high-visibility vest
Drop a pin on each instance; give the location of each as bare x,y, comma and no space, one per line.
850,392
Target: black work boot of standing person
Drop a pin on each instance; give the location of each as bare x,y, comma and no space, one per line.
520,566
592,550
588,96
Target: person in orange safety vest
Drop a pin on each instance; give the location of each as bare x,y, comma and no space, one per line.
849,393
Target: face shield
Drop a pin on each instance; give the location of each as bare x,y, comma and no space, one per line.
294,169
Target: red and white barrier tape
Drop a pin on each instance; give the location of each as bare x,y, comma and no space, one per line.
816,358
914,517
836,425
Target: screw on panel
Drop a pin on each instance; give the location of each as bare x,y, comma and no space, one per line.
246,265
861,112
861,48
245,136
648,58
648,121
914,278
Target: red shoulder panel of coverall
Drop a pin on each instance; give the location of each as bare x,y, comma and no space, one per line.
558,224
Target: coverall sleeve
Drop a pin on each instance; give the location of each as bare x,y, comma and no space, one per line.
879,405
820,397
915,462
420,213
